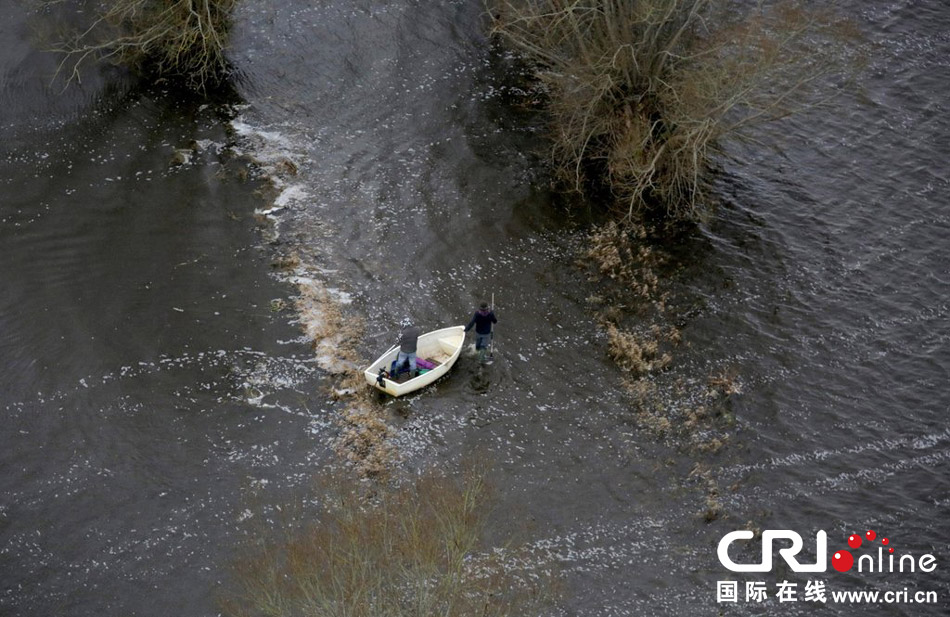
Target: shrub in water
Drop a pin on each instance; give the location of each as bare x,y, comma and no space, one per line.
641,92
176,39
410,551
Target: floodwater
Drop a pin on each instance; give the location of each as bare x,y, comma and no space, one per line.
159,401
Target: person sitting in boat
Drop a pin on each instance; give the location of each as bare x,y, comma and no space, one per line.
408,340
483,319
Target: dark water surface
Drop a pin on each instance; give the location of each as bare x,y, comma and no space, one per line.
150,393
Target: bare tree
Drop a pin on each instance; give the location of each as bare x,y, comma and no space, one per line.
641,92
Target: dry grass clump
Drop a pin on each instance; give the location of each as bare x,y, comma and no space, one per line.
692,414
693,417
622,254
365,439
417,551
179,39
286,263
651,415
677,414
724,383
635,308
635,354
334,335
713,507
640,93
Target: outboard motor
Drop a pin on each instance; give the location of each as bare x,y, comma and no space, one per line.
381,378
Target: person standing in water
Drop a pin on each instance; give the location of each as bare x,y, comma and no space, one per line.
482,320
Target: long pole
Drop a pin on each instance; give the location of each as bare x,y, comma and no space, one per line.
491,352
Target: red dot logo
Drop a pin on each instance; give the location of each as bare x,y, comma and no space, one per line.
854,540
885,541
891,550
842,561
870,535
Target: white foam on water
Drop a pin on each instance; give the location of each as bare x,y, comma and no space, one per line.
291,195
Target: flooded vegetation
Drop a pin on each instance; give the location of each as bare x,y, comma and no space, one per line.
183,40
193,284
641,95
416,550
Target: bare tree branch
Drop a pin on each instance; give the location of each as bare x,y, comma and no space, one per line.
183,39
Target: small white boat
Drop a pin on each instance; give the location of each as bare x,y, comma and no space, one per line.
440,348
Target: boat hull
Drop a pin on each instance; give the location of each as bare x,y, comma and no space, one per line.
442,345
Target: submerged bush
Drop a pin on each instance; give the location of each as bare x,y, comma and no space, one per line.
416,551
172,39
640,92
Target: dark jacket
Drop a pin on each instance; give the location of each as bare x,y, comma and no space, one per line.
409,338
482,320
